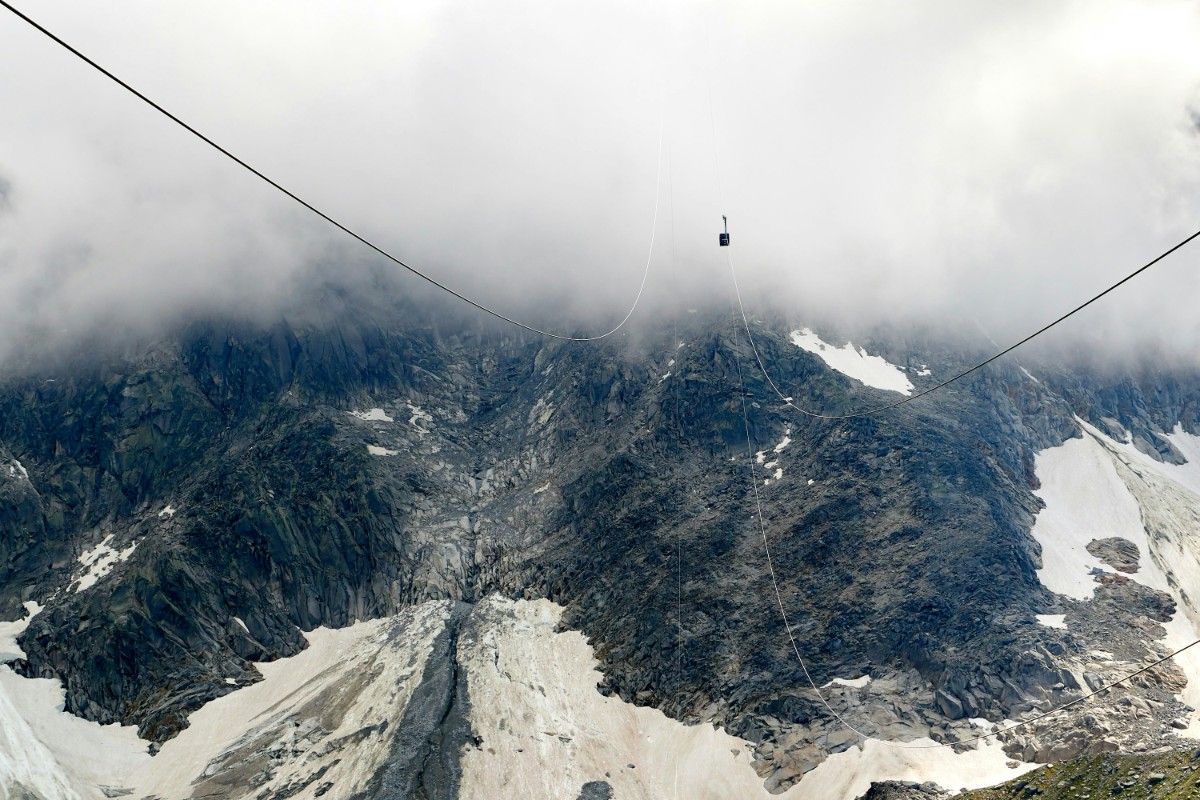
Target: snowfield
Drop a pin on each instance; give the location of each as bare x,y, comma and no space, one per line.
855,362
324,722
1096,487
547,731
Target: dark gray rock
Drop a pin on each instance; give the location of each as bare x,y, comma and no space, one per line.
1120,554
596,790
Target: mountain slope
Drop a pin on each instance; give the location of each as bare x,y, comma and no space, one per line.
234,485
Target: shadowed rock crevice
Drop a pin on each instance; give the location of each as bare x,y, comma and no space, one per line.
423,763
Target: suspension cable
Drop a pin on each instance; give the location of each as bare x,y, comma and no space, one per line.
346,229
925,392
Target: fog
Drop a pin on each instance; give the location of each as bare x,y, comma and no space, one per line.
929,162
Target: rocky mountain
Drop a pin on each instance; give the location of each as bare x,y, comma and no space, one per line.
390,554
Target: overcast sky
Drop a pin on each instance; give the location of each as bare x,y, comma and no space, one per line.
878,160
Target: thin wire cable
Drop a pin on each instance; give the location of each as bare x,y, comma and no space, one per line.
958,376
674,389
345,229
804,666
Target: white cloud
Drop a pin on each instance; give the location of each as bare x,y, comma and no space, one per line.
883,160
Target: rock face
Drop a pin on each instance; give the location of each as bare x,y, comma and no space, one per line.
1120,554
272,479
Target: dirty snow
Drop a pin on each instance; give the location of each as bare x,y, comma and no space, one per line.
1053,620
549,730
376,450
99,561
347,680
372,415
855,362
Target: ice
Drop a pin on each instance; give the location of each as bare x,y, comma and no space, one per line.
372,415
854,362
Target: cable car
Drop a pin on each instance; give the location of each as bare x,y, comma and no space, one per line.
724,236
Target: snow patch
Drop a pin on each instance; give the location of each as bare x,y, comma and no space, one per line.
9,631
241,624
16,468
854,362
924,371
1025,372
99,561
376,450
542,488
851,683
167,511
1053,620
372,415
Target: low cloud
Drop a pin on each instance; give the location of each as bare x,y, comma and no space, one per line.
925,161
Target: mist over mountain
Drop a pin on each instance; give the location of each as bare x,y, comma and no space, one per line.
904,164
